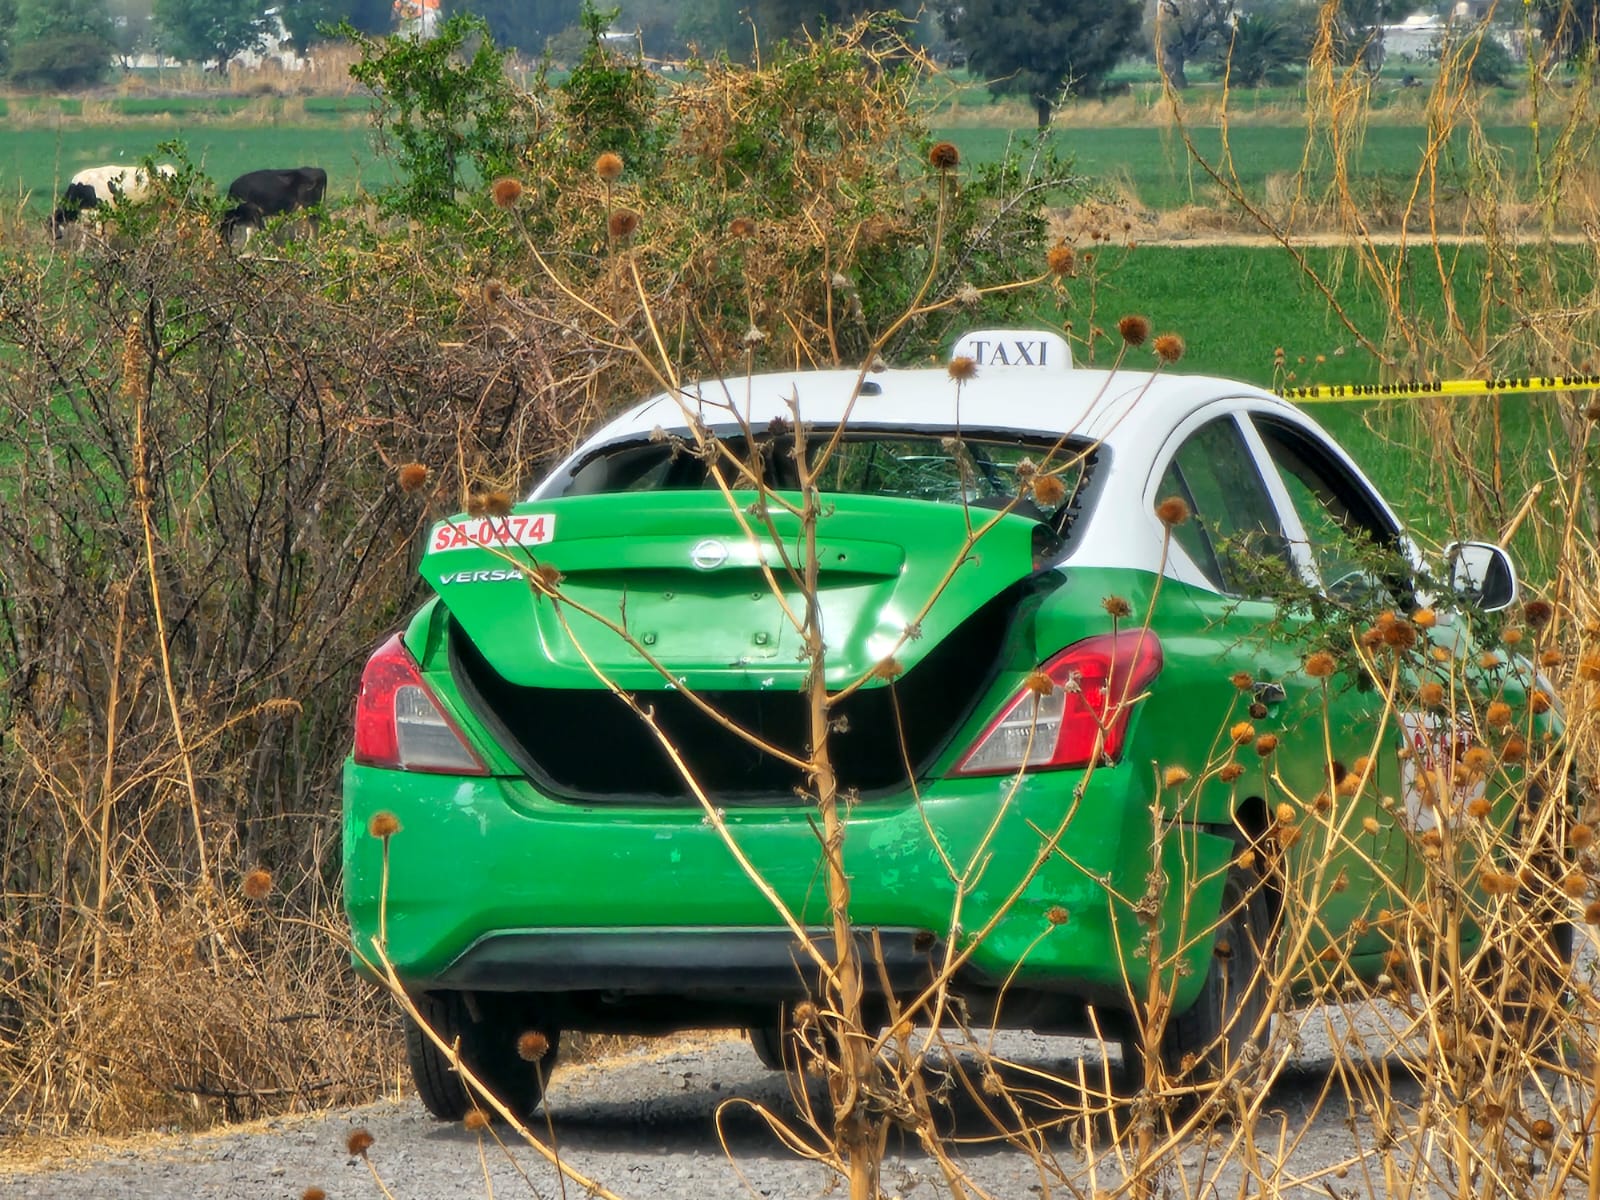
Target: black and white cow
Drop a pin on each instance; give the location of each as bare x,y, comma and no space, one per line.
258,195
98,187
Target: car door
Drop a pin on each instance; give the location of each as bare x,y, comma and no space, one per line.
1358,567
1246,551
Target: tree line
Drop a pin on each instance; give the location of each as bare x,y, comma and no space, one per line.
1044,51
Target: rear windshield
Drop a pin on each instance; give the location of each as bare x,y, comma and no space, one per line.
984,470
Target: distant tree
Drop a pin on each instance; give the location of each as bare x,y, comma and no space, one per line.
1040,48
791,18
131,29
1570,27
8,24
211,30
716,27
523,25
60,43
1185,31
1261,48
1356,30
306,19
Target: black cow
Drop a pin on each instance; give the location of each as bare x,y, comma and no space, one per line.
258,195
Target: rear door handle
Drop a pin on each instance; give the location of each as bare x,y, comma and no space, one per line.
1268,692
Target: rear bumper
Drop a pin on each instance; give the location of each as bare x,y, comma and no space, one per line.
493,887
653,960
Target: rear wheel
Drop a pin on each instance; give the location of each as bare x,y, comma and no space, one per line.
489,1047
1219,1030
768,1042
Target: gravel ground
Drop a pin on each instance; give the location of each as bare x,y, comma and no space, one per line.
646,1124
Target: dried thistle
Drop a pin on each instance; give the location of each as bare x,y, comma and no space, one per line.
412,476
1497,715
505,192
741,228
1538,613
383,825
313,1193
962,368
1266,744
608,165
532,1046
888,668
1174,510
1169,348
1039,683
1431,693
1321,664
1057,915
547,577
1117,607
943,156
1242,680
496,504
1478,807
1134,329
257,884
1581,836
1060,259
1402,635
1048,490
622,224
1424,618
1539,701
1228,772
358,1142
1175,777
475,1121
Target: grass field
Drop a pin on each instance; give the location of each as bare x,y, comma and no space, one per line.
33,160
1147,163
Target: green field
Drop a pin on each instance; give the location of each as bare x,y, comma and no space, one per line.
33,160
1156,165
1152,163
1234,306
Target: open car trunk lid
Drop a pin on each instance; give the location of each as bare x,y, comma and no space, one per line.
683,576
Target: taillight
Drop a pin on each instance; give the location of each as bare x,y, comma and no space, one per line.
400,725
1084,717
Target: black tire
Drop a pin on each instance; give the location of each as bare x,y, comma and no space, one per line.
1214,1034
769,1041
488,1047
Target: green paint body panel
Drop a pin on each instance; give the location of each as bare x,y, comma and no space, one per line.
479,857
629,559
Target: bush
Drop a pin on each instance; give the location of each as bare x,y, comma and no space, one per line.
67,61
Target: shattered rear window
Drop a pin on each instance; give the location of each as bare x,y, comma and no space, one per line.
983,470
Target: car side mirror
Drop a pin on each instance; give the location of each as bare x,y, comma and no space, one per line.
1483,574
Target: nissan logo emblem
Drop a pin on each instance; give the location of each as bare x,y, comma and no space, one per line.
709,555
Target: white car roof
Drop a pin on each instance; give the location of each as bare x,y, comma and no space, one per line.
1135,414
1113,407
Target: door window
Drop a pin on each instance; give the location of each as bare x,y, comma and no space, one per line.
1349,538
1233,534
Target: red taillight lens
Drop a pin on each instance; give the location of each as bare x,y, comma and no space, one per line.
1085,717
400,725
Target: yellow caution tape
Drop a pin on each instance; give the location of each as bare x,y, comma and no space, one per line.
1418,388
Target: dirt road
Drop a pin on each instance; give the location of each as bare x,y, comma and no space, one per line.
676,1120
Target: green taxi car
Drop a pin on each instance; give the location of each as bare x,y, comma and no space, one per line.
544,863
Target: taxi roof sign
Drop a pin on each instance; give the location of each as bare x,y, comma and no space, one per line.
1027,349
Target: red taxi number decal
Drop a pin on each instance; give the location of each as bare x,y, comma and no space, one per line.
530,530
